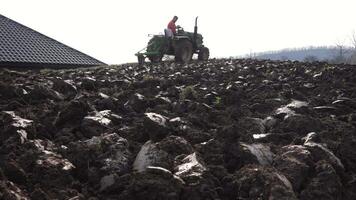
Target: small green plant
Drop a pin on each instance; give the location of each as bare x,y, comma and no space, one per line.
148,78
217,101
46,71
188,93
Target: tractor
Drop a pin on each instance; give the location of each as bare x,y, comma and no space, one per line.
182,45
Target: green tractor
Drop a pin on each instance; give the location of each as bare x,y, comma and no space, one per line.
182,45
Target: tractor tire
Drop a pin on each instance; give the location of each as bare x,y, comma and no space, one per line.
155,59
183,51
203,54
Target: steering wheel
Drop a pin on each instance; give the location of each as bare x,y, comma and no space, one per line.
180,29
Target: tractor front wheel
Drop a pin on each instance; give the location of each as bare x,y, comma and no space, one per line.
183,51
203,54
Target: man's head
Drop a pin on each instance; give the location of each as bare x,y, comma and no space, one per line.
175,18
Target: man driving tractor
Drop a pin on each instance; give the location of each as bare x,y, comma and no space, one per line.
172,25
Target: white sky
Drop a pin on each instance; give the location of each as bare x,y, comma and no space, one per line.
113,30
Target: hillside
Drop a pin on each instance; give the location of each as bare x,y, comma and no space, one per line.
221,129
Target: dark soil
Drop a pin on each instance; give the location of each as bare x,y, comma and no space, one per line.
221,129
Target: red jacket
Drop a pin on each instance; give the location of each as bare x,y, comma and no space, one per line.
172,26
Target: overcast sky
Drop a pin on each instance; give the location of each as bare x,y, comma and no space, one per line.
113,31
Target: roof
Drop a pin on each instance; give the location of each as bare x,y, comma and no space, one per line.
23,46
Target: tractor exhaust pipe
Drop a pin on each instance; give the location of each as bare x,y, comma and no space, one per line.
196,26
195,33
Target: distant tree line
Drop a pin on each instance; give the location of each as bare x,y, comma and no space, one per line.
332,54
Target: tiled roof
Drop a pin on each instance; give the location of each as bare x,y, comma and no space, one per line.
20,45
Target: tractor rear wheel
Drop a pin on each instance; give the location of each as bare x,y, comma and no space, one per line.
155,58
203,54
183,51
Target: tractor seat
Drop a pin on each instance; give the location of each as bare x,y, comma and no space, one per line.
168,33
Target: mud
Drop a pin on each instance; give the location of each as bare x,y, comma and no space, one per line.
220,129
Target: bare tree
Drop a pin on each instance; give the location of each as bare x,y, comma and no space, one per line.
340,56
353,40
353,54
